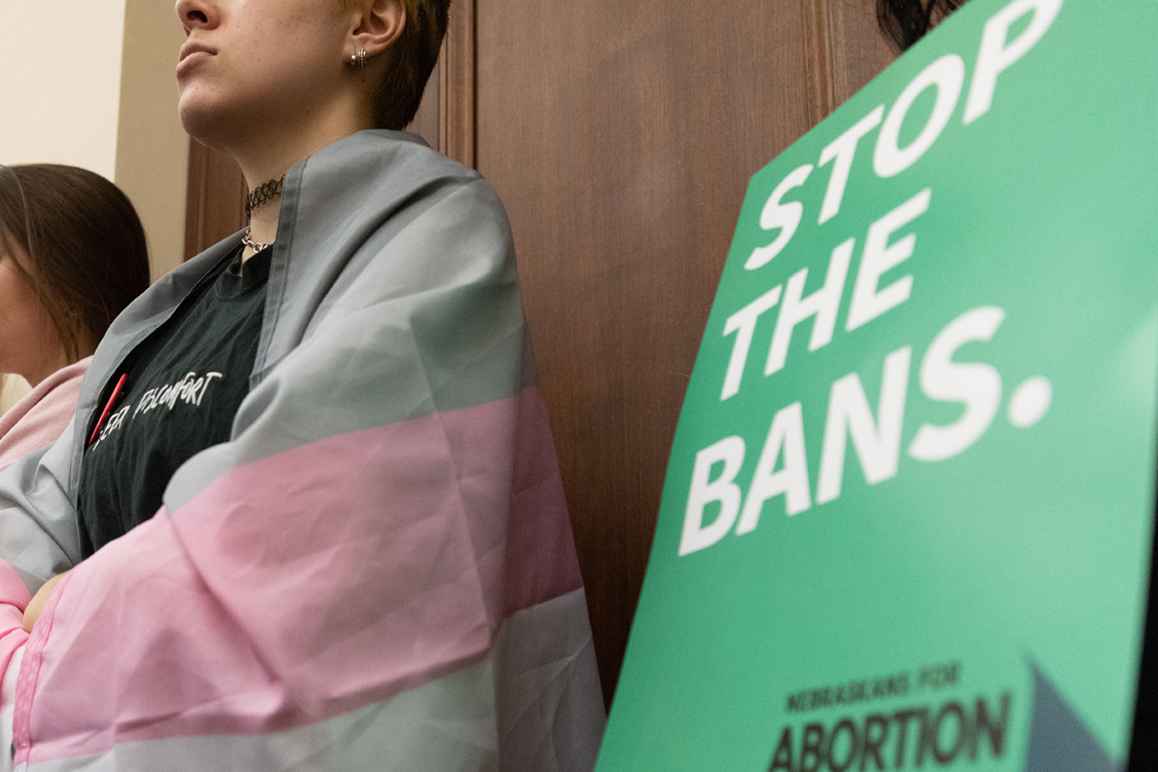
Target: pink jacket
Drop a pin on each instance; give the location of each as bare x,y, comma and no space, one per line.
36,421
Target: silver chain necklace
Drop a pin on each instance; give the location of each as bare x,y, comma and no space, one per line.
261,195
256,246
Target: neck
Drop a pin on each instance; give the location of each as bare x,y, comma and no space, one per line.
269,155
49,363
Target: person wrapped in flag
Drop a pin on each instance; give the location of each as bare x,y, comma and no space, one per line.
308,514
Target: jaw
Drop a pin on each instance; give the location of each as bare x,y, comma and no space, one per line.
212,119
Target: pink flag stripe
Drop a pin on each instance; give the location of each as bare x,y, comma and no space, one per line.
34,423
13,591
306,585
14,598
549,716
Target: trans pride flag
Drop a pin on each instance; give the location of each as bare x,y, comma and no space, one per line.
377,570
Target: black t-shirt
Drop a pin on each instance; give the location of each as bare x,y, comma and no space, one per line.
182,389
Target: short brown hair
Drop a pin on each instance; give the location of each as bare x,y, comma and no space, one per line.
85,247
410,61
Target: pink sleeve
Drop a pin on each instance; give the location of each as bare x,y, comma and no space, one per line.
14,598
41,417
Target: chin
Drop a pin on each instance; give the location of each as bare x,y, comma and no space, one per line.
205,119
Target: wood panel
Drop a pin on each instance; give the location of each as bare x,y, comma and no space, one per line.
621,137
859,50
457,77
215,202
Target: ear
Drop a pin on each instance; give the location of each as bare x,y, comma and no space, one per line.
378,25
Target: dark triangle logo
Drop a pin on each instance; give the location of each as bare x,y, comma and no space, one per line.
1058,739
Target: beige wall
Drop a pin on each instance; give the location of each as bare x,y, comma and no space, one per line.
152,148
96,89
60,80
11,390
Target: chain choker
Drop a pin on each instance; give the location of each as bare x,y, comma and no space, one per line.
263,194
256,246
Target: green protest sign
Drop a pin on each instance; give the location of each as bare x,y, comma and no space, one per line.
907,518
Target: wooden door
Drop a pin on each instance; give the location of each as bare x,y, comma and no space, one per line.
621,136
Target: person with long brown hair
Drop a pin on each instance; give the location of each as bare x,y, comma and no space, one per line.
309,514
905,22
72,256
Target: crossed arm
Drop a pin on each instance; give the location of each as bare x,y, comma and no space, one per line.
39,601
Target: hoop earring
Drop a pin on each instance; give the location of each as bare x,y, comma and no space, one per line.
358,60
